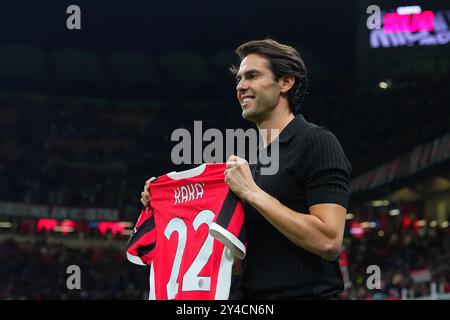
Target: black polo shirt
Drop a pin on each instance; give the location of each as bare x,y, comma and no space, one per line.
312,169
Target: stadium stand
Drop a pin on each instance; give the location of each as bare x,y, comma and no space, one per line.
86,130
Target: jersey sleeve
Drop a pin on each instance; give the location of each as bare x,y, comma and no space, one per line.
228,226
142,241
327,173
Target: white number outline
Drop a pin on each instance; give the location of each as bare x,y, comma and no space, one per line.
175,225
191,280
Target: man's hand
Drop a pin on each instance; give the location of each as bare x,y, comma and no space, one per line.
239,178
145,195
237,267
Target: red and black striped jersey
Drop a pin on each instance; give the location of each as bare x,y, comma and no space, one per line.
189,235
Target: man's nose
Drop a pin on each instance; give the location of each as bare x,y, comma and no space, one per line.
242,85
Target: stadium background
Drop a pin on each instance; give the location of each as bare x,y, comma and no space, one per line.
86,117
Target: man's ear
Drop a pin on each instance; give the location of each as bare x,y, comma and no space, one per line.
286,83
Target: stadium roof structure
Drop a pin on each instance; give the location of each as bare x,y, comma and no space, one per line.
126,74
187,72
133,74
22,67
78,72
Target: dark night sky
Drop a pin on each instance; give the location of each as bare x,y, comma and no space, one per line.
327,28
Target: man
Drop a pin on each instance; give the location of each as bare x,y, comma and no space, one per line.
295,218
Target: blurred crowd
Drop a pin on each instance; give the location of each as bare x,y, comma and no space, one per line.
99,153
90,155
408,260
37,268
86,154
376,125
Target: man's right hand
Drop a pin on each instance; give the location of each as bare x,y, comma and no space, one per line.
145,195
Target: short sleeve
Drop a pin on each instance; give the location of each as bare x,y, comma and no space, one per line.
228,226
142,241
326,169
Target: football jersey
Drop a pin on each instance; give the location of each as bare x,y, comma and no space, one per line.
190,235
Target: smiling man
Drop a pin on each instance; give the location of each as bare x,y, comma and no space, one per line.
295,219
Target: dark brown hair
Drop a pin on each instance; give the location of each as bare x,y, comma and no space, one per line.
283,61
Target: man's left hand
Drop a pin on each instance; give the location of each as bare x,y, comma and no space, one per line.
239,178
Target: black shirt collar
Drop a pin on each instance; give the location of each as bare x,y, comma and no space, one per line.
292,128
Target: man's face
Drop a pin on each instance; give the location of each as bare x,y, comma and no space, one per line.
257,91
